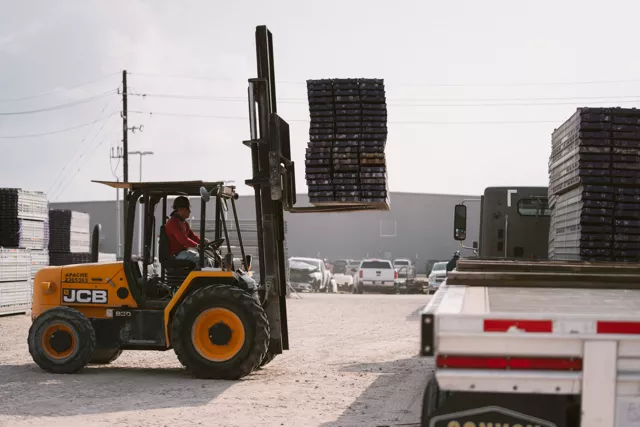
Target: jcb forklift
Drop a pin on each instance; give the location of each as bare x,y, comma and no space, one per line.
220,322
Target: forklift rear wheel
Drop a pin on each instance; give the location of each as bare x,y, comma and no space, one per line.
104,356
220,332
61,340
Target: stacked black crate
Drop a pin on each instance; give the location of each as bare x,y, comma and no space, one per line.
346,150
595,186
70,239
580,188
345,159
373,164
625,174
318,158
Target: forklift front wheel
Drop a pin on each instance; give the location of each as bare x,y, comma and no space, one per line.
220,332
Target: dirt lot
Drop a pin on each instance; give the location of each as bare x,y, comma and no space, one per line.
353,361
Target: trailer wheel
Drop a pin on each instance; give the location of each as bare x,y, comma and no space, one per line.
220,332
432,399
61,340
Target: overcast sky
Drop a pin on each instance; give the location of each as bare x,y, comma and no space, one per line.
445,65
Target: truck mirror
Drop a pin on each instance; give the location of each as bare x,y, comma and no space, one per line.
475,245
460,222
247,261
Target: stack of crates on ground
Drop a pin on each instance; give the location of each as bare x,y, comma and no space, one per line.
594,186
24,236
15,281
70,237
345,158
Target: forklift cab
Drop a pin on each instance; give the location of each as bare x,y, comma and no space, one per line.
159,284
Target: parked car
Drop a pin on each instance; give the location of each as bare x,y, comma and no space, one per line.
342,274
375,275
437,276
406,281
309,274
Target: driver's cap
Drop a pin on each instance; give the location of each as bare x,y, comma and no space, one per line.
181,202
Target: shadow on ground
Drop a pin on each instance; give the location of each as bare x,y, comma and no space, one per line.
393,399
26,390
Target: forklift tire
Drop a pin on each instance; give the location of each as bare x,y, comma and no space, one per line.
267,359
220,332
61,340
104,356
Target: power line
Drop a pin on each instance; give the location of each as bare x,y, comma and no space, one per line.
78,146
33,135
206,116
411,102
60,106
511,84
59,90
85,162
79,158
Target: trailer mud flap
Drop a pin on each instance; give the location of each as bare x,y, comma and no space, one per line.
464,409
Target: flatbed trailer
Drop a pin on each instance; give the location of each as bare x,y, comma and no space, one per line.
519,343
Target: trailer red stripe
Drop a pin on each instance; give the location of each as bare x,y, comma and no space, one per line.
503,325
618,327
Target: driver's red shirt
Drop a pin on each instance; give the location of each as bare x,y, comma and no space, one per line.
180,235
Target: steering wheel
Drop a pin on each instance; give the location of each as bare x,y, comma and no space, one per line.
213,250
215,244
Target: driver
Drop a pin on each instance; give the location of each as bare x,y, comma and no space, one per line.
183,242
453,262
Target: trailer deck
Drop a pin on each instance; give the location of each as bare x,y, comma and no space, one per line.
528,329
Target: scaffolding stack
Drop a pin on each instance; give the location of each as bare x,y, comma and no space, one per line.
24,237
594,186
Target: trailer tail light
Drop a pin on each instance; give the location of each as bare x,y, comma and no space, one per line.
509,363
503,325
360,274
608,327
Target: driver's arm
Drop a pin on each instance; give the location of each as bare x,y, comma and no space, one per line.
191,235
174,231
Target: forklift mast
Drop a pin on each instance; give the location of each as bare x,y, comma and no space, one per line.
269,142
274,186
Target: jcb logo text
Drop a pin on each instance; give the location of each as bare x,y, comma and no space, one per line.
84,296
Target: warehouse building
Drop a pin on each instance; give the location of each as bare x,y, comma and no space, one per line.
418,226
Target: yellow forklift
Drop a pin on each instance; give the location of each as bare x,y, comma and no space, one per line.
219,321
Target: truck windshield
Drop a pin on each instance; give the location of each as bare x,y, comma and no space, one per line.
376,264
439,266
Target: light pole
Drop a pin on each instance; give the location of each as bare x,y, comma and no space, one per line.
140,218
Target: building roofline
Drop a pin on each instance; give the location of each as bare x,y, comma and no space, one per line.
391,193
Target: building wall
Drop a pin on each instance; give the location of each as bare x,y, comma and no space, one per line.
418,226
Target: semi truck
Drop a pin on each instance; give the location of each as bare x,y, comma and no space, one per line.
522,340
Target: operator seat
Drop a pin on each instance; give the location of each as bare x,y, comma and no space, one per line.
176,270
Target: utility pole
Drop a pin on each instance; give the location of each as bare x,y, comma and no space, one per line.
118,155
125,147
141,216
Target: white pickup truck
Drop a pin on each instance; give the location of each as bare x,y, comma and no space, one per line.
375,275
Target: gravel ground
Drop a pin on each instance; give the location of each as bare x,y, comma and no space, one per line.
353,361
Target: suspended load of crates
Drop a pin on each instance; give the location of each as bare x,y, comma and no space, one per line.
24,237
594,186
70,237
345,158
